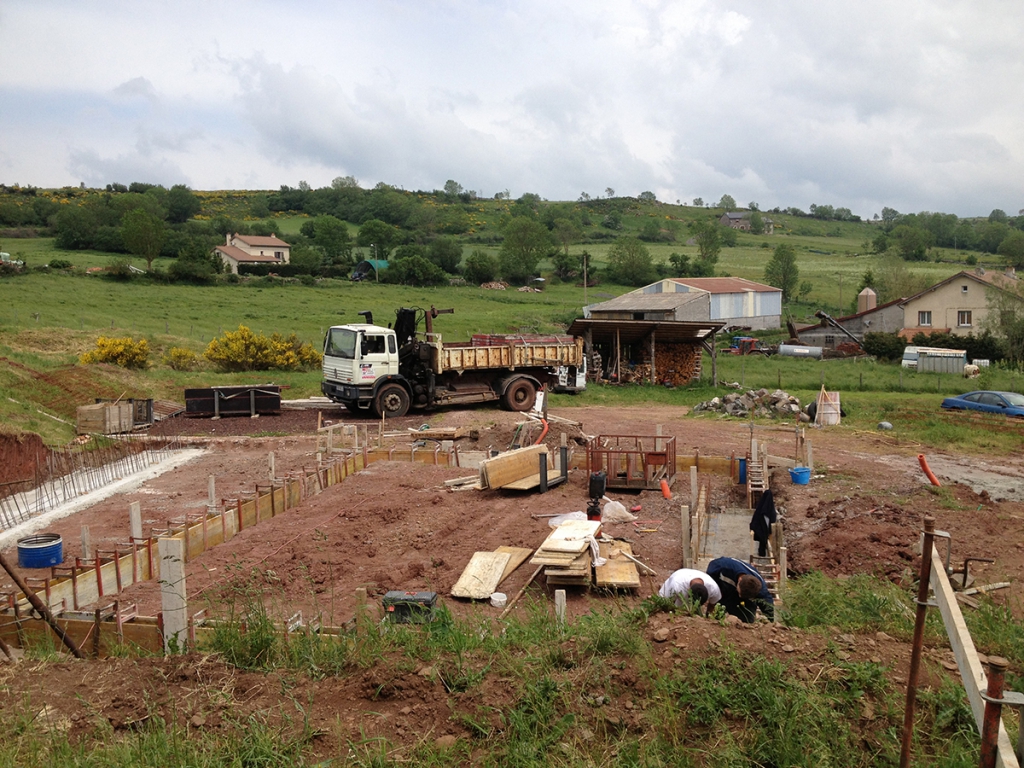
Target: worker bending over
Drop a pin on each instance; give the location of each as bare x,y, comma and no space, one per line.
693,585
743,589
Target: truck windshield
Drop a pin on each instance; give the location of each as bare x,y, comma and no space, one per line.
341,342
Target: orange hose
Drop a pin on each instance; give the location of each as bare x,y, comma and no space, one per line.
927,472
543,432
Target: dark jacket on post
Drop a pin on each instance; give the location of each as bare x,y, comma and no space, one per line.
726,572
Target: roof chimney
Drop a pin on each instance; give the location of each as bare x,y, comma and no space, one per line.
227,238
866,299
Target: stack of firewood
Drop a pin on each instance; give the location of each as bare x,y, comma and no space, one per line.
675,364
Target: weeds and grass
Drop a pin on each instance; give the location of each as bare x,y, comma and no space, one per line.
856,604
562,693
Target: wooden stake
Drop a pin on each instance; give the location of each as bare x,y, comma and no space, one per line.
520,593
86,543
41,607
560,607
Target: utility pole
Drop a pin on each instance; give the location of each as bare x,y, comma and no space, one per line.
584,278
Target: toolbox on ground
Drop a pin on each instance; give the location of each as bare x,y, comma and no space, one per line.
409,607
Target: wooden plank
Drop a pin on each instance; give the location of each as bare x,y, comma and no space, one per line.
511,466
480,578
571,536
552,558
618,572
971,671
516,557
533,481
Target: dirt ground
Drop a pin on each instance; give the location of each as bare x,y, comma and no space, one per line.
396,526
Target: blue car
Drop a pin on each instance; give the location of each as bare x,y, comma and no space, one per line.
1006,403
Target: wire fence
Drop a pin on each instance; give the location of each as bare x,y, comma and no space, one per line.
74,471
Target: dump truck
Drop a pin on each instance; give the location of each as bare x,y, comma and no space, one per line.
387,371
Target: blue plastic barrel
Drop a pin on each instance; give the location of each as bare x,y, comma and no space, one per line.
800,475
743,472
41,550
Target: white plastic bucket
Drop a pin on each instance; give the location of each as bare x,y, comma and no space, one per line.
498,599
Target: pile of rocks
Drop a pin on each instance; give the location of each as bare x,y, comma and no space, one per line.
760,402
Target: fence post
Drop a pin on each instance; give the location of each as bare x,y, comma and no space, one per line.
915,654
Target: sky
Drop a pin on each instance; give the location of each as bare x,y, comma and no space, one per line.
915,105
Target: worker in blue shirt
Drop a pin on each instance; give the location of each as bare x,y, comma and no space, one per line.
743,589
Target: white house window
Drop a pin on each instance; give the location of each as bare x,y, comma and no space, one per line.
279,255
963,289
924,319
963,318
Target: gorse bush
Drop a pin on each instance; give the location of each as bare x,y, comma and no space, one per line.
181,359
243,350
124,352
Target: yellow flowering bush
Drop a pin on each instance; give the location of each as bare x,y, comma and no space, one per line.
243,350
181,359
124,352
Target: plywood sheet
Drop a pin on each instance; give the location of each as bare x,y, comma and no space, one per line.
618,572
480,578
533,481
511,466
516,557
571,536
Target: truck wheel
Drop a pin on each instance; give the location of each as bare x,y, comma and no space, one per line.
392,401
520,395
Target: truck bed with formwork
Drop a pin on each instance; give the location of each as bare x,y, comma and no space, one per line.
388,371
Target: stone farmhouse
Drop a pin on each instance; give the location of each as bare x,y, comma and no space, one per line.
741,221
252,249
959,304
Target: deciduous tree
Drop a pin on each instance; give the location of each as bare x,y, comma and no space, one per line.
781,271
709,245
380,234
727,202
182,204
525,242
446,252
630,263
143,234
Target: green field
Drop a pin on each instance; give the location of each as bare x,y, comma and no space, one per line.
50,317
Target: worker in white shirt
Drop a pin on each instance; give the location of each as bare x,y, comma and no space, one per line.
693,585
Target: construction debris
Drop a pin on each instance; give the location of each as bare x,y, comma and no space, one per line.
620,568
481,577
760,402
566,553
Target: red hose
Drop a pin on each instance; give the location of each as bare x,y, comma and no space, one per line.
543,432
927,472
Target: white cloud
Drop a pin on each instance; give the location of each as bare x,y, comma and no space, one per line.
904,104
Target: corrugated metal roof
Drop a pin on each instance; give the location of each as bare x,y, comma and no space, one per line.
725,284
645,301
667,331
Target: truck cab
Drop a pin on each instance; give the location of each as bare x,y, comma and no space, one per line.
357,358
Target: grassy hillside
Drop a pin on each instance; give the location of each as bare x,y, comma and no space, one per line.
49,317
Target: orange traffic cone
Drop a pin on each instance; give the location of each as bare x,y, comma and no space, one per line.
665,489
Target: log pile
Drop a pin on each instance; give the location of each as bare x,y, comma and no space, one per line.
674,364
